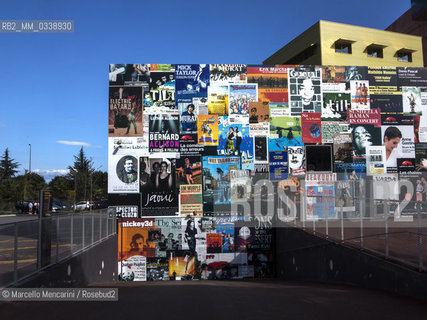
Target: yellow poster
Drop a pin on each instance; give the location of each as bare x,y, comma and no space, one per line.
218,100
207,129
181,266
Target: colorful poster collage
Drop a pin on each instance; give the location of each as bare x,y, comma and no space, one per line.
188,140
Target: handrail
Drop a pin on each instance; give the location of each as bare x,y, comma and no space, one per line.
74,241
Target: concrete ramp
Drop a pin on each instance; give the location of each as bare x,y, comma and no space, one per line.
301,256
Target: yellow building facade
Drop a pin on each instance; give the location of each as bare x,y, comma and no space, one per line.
331,43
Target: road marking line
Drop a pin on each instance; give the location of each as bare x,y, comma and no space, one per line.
23,248
19,261
12,239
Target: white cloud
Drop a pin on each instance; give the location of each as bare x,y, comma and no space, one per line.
50,173
78,143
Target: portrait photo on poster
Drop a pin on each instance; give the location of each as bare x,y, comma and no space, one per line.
158,187
127,169
363,136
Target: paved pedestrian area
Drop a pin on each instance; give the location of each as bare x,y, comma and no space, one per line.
244,300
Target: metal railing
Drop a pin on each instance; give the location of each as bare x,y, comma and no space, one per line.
68,234
376,226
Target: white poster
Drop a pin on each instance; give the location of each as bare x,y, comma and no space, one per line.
133,269
296,160
360,94
123,174
120,146
414,100
375,160
399,143
386,187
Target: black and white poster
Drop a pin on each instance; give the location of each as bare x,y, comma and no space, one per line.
164,133
296,159
159,196
305,90
123,177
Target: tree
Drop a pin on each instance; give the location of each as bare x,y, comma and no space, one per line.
8,190
79,172
8,186
28,186
60,187
7,166
99,185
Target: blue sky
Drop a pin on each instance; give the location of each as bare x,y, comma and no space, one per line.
54,87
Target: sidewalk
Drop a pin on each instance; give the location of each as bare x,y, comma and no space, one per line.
244,300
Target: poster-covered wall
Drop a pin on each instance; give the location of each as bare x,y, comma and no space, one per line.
188,140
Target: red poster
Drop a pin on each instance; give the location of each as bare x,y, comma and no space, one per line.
214,242
372,116
311,127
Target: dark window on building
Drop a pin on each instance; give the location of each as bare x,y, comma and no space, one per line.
343,47
404,56
303,55
375,52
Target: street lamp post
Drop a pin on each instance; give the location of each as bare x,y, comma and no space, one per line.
26,175
91,200
75,187
29,167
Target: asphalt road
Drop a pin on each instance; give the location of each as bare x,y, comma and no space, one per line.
204,300
11,218
18,217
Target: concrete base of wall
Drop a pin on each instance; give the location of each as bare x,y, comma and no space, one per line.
304,257
94,266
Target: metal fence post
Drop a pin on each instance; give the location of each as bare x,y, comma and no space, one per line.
362,197
114,225
39,243
420,239
342,222
93,226
100,226
326,204
303,206
15,255
108,230
386,214
83,229
361,213
72,232
314,223
57,238
296,216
